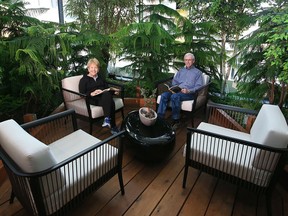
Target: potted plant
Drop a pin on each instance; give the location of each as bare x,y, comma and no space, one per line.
147,115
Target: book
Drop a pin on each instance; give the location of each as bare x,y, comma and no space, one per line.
174,88
109,89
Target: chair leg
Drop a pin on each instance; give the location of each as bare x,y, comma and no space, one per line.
121,182
269,204
192,121
122,113
12,196
91,128
185,176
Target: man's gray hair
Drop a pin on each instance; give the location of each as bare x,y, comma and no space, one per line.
189,55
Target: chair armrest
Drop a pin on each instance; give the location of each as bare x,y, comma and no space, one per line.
53,127
232,117
203,89
74,92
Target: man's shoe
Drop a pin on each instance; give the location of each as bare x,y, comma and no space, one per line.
114,130
175,124
106,122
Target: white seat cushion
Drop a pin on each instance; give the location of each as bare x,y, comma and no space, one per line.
72,144
218,154
82,172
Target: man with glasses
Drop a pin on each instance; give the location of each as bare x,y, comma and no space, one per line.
189,79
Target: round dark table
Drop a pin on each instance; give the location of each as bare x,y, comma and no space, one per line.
149,143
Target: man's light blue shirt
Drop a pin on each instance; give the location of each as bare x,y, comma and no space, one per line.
188,78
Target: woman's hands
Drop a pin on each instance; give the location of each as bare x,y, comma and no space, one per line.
100,91
96,92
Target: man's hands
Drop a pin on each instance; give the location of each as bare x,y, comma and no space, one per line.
185,91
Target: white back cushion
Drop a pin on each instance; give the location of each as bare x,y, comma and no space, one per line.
206,78
27,152
71,83
270,127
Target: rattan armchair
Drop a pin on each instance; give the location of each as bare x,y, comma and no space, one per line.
73,99
54,166
241,146
190,106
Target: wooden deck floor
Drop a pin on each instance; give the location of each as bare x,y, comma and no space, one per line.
156,189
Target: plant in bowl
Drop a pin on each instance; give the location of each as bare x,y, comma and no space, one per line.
147,115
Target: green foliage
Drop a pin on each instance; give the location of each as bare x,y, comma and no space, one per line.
276,53
264,56
149,97
238,100
35,56
145,46
159,42
11,107
13,18
103,16
230,19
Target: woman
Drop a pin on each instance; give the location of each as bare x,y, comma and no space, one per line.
93,85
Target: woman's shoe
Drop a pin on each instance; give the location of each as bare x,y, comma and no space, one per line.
106,122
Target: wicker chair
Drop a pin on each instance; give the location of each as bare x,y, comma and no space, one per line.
190,106
231,147
54,166
79,102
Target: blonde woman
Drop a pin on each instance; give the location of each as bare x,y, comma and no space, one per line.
93,85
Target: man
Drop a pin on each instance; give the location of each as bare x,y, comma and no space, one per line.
189,79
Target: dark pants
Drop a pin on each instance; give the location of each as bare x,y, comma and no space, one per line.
106,101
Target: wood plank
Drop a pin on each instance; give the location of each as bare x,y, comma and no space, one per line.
157,189
120,204
223,199
199,199
244,206
5,191
277,203
261,206
282,191
176,196
100,198
3,174
5,207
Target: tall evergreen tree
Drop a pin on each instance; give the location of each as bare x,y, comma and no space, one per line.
264,70
103,16
231,18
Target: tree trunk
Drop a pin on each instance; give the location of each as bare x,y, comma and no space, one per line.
283,95
271,94
223,62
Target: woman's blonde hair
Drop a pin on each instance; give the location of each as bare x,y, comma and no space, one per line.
93,61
